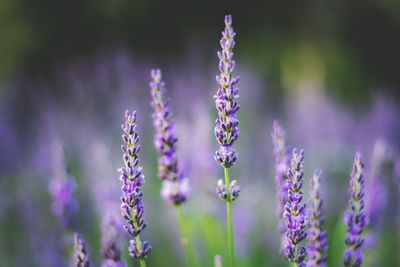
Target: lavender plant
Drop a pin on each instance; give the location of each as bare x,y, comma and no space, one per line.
82,257
175,187
132,196
282,162
226,126
355,218
317,237
295,212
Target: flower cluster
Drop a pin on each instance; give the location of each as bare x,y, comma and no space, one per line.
81,254
317,238
175,186
132,178
226,126
282,162
295,211
355,217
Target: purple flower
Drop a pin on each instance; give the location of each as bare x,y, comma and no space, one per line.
295,212
355,216
62,188
317,238
282,162
81,254
64,204
111,251
234,190
397,168
132,181
175,186
226,126
375,193
112,263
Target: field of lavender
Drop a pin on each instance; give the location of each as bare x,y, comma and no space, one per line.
303,180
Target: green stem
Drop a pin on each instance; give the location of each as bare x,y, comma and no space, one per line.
231,243
186,244
139,245
142,263
295,264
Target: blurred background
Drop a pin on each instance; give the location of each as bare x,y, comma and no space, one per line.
328,71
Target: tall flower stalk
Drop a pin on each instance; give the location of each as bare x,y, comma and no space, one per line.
132,196
355,217
317,238
226,126
295,211
282,162
175,187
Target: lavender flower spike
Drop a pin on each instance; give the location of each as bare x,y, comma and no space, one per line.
132,181
282,162
295,212
317,239
175,186
226,126
355,216
82,256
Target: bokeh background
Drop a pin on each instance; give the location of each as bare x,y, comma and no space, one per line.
328,71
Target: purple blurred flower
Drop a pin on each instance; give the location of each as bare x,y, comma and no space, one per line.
226,126
375,192
62,188
81,254
175,186
317,238
295,211
355,216
64,204
132,178
376,195
397,181
111,251
397,168
282,162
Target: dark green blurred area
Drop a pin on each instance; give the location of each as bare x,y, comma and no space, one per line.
356,41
